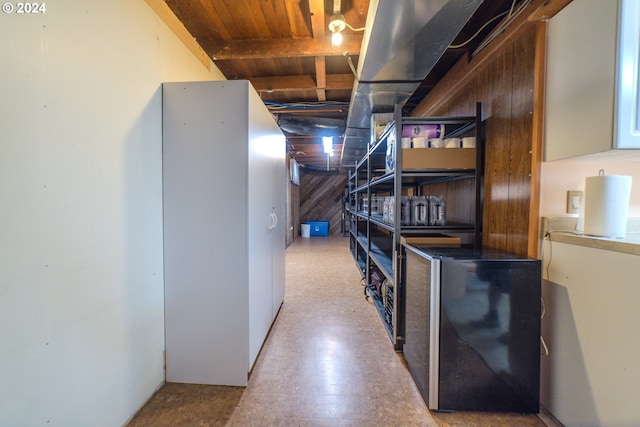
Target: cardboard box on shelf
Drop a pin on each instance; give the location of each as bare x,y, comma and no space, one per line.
441,240
438,158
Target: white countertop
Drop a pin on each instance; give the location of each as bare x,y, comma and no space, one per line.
559,229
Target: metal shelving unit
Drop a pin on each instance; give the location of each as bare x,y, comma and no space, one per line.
374,243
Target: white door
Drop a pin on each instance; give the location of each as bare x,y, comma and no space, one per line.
279,233
266,143
261,224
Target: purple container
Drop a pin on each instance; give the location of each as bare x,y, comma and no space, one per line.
424,131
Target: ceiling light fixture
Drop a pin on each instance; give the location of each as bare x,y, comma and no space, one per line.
337,25
327,142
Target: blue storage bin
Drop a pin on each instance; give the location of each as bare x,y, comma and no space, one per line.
319,228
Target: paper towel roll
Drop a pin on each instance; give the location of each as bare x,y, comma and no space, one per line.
606,205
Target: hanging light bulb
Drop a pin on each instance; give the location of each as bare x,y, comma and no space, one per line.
337,25
336,39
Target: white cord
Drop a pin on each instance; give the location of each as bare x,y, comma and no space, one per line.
502,26
544,345
513,4
354,29
544,307
510,11
457,46
548,235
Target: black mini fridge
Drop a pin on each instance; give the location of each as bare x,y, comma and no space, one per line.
472,328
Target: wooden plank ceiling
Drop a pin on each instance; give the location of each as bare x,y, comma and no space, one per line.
283,47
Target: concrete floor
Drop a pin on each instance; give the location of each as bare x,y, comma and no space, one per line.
327,362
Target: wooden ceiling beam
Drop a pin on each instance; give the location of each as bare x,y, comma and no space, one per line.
320,157
291,83
312,151
165,13
329,112
321,78
316,7
281,48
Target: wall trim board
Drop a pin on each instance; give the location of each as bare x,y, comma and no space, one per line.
537,137
171,20
548,10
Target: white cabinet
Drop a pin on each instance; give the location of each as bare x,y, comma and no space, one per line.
592,79
591,375
223,201
628,102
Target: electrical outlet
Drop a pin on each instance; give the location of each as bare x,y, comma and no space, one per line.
574,201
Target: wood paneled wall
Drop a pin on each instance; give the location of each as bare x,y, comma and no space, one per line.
321,198
504,84
459,197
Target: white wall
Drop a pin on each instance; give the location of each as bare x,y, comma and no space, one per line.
590,377
81,281
559,176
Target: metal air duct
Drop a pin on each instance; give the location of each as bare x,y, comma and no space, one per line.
403,41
